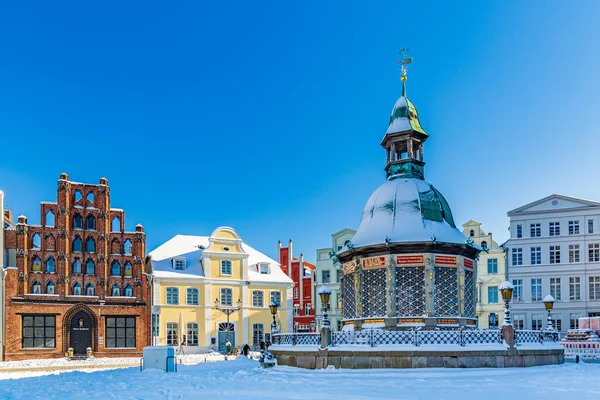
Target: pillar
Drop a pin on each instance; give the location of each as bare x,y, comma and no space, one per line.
429,285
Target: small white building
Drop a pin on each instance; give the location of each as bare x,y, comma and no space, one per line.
328,274
554,248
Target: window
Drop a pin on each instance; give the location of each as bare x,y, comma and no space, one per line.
574,227
326,276
518,289
554,228
50,288
556,321
590,226
49,219
76,289
50,265
264,268
192,296
574,288
225,267
519,231
192,334
574,320
594,252
128,270
172,334
120,332
307,309
338,300
127,246
115,290
492,294
77,196
573,253
36,241
471,233
517,256
536,290
226,297
90,197
90,223
77,222
535,230
257,298
90,268
115,269
484,244
172,295
155,325
492,266
296,310
296,292
37,288
39,331
128,290
519,321
76,266
90,245
555,288
115,224
258,334
37,264
89,290
594,287
179,263
536,255
554,254
537,321
77,244
276,298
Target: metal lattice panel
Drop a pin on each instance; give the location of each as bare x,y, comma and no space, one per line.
446,291
479,336
439,337
348,297
410,291
373,285
528,336
469,299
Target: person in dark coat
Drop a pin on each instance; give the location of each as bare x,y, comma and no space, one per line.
262,345
246,350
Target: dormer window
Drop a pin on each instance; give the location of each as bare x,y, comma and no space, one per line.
179,264
263,268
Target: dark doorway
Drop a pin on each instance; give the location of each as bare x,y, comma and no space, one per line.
81,332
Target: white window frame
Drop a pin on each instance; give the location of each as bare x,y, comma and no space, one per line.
192,337
258,298
258,334
172,330
574,227
590,226
519,231
190,291
296,293
594,282
179,263
593,252
277,293
554,254
517,290
536,255
230,266
555,289
224,293
537,296
574,255
554,228
517,256
171,291
492,262
307,309
264,269
296,310
535,230
574,288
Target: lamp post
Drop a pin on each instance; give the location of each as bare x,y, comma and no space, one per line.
228,310
549,304
325,294
506,289
273,307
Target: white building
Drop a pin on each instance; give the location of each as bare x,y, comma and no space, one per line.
554,248
327,274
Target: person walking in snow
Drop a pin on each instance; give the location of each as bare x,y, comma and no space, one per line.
227,347
246,350
181,352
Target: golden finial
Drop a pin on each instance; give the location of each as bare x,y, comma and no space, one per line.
404,61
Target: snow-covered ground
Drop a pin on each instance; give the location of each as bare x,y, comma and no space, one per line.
244,379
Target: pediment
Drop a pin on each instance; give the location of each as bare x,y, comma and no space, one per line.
555,202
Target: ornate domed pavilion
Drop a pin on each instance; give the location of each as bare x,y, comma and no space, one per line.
408,264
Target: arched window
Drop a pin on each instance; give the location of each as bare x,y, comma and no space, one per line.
50,288
77,221
90,245
89,290
50,265
77,244
346,243
472,233
127,246
128,270
36,241
115,268
484,244
77,196
77,266
49,219
128,291
116,290
115,225
90,223
50,242
36,287
115,246
76,289
90,267
90,197
36,264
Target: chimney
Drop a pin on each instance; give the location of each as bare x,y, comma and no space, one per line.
8,215
22,219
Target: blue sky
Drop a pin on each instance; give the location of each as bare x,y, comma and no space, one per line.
268,116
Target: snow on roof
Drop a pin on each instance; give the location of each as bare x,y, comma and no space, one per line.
191,248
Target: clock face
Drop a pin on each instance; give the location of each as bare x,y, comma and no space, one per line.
554,202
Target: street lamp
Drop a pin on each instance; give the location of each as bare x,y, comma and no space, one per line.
506,289
273,307
325,294
228,310
549,304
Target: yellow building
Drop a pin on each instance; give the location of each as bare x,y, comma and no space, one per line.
191,272
491,272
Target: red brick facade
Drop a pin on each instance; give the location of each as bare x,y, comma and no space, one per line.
83,264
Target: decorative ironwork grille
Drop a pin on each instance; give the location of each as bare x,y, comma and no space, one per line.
469,299
297,339
446,291
382,338
439,337
351,337
528,336
410,291
373,287
348,297
481,336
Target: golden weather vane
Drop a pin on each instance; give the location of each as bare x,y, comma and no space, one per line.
404,61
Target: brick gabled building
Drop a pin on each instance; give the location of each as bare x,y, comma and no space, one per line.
76,280
303,275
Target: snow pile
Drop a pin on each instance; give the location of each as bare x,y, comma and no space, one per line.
549,299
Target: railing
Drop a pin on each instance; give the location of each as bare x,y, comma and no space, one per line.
415,337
